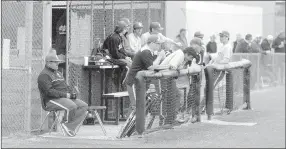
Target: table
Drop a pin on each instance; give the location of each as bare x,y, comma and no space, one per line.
103,88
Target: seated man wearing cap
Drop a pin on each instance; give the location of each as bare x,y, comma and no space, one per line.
57,95
155,28
114,44
144,59
134,38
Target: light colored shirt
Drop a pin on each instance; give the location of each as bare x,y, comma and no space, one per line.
134,42
145,36
175,59
225,51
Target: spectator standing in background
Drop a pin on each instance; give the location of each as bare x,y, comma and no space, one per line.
211,48
279,43
182,38
212,45
267,44
255,44
266,59
238,38
244,45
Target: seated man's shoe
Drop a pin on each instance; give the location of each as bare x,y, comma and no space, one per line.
68,131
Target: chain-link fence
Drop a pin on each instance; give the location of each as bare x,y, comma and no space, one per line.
164,110
90,22
22,53
266,70
231,83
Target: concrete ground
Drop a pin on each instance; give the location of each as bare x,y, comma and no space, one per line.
264,126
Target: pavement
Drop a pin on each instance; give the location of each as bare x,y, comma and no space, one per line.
263,126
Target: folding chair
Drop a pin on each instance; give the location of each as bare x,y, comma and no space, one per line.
50,111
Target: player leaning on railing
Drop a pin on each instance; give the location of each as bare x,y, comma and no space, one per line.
180,59
223,56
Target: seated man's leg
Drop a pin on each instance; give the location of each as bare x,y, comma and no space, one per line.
80,114
64,104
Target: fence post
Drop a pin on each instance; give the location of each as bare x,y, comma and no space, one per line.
47,34
91,28
112,7
209,90
68,19
246,87
258,72
28,59
140,90
229,90
149,13
131,11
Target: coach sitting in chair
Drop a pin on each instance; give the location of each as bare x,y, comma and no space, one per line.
58,95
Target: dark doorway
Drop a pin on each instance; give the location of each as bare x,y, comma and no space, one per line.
59,34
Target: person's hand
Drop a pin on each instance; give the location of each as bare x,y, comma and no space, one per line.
68,95
162,55
281,45
128,59
178,44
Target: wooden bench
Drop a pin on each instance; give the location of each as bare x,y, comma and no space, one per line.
115,96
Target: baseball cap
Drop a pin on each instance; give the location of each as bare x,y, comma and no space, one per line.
199,34
52,56
156,25
137,25
224,33
126,20
154,39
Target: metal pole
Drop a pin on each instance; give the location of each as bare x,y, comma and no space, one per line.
91,28
112,7
28,59
149,13
47,34
140,93
104,20
131,12
67,40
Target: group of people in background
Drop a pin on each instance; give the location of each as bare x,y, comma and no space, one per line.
152,49
258,44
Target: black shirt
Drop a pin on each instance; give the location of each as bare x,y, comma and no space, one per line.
276,43
211,47
142,60
52,85
114,44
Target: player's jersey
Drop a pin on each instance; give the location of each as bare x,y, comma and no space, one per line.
225,51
